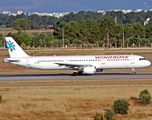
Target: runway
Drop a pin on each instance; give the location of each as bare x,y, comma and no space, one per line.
71,77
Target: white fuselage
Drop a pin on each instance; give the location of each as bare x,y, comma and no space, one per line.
98,61
85,63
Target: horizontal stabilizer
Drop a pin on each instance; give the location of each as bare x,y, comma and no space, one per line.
9,60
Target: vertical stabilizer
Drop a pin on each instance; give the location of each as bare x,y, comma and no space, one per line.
14,49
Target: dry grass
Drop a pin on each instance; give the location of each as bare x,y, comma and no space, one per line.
142,52
78,103
73,83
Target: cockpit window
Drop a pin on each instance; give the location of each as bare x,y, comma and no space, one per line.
142,59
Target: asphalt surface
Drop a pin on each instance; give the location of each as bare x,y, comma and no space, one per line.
70,76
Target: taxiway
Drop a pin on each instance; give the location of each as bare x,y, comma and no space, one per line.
70,76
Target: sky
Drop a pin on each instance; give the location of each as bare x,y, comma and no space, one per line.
50,6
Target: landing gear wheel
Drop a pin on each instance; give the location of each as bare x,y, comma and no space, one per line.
79,73
134,73
75,73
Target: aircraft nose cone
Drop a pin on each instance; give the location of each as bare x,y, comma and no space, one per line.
148,63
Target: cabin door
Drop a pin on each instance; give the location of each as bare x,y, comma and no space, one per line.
28,63
103,61
67,60
132,59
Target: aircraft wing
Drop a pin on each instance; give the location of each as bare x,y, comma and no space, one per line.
74,66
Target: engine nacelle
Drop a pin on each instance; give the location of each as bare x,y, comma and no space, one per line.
99,70
89,70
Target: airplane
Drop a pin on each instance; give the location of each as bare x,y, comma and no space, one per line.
88,64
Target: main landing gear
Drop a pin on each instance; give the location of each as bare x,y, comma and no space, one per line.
77,73
134,73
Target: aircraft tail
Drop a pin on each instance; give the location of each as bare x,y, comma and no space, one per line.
14,49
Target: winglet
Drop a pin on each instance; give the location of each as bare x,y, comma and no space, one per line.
14,49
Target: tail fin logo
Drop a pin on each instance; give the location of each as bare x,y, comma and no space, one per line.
11,45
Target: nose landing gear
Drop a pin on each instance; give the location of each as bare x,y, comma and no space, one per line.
134,73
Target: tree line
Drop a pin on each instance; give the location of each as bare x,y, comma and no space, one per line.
82,28
92,31
36,22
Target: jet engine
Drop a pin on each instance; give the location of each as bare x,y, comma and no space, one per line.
89,70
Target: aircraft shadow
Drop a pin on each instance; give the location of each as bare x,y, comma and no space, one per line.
64,74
